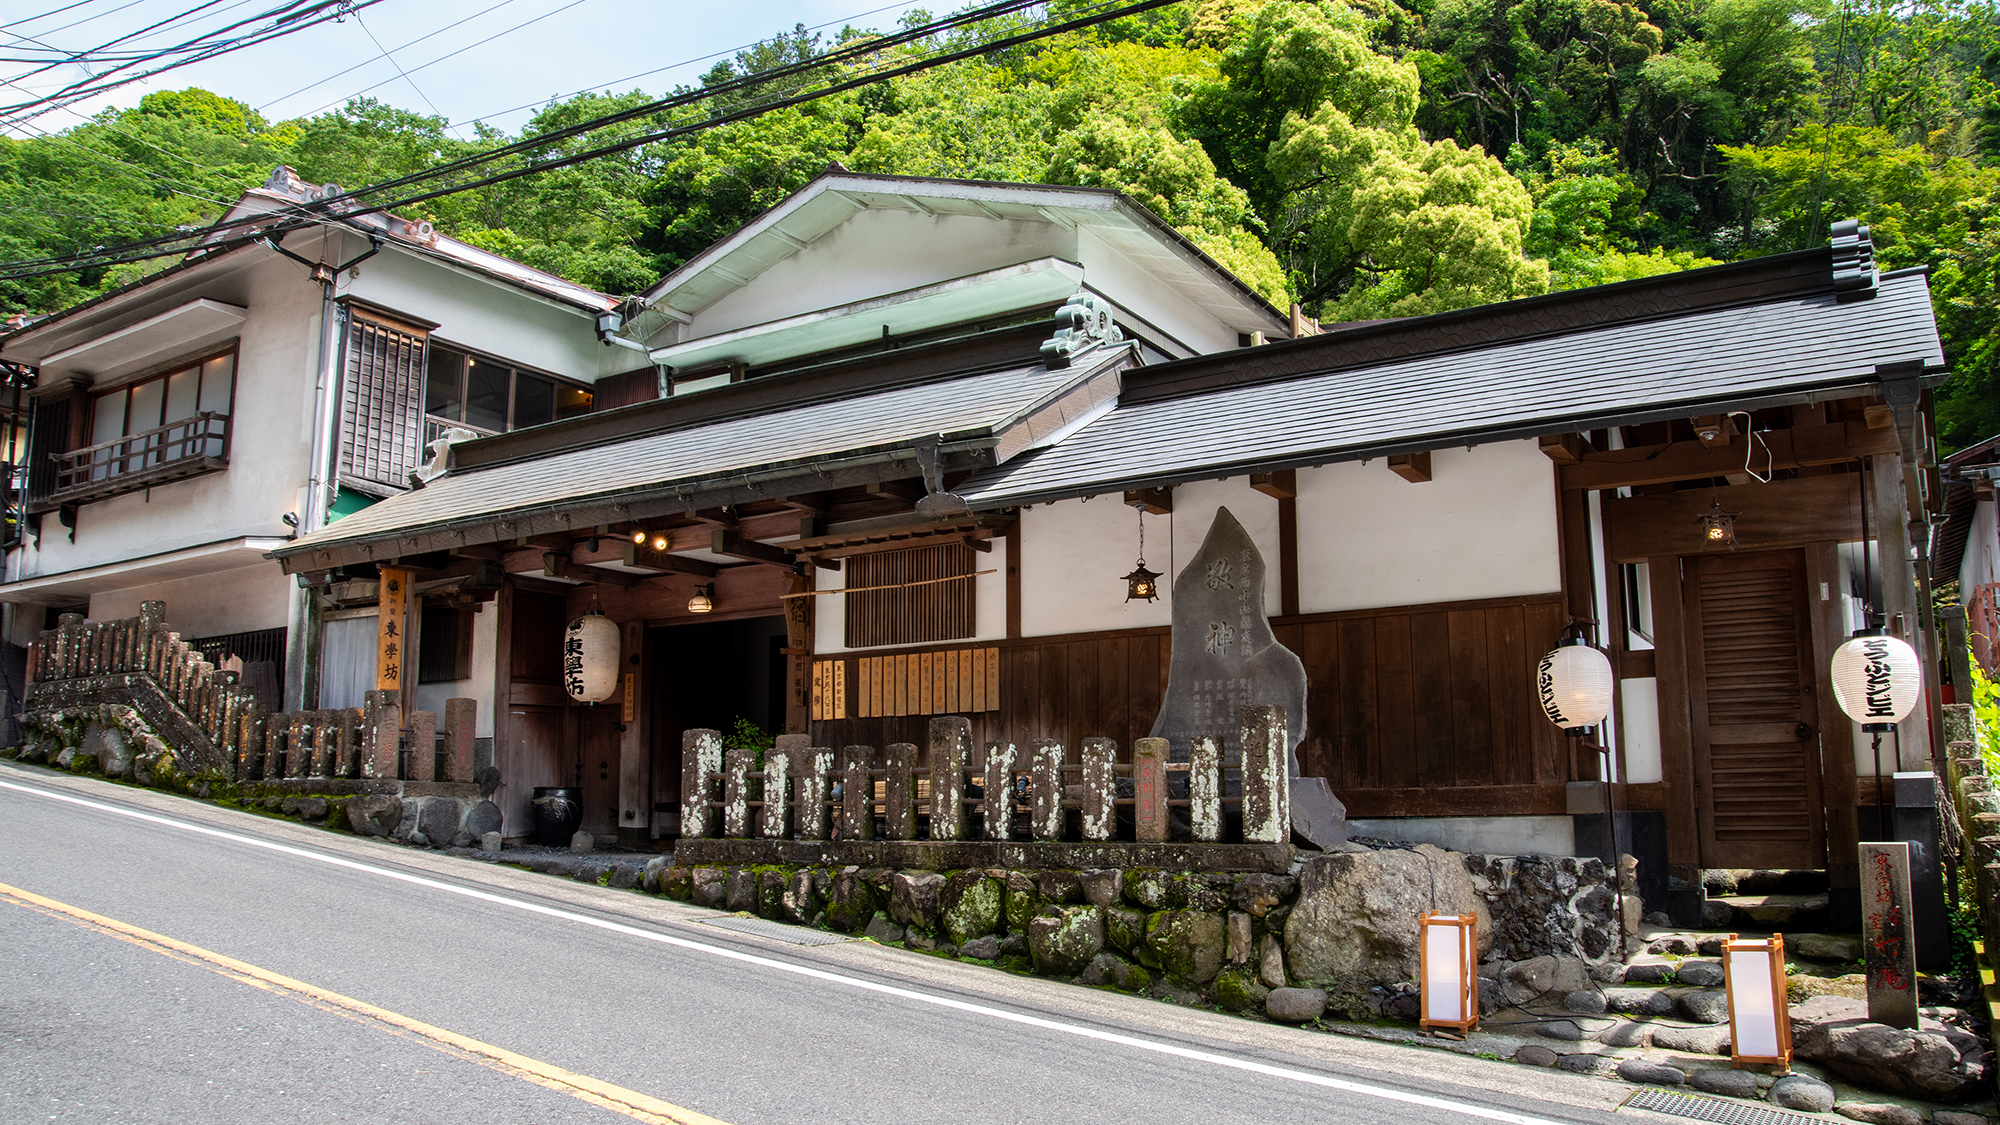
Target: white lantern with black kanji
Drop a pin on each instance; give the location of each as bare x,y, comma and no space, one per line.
1877,680
590,658
1573,685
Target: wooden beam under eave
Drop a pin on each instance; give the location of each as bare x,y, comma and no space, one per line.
1152,501
1798,448
665,562
723,541
1564,449
1715,431
1281,485
1412,467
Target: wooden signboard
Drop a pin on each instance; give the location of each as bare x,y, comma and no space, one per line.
392,654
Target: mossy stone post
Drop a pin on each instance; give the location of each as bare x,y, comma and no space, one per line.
299,746
151,616
1100,788
736,763
461,727
857,793
899,790
382,721
996,803
250,746
347,742
1045,820
813,770
1267,813
701,764
69,634
1205,790
423,745
1149,791
777,779
951,745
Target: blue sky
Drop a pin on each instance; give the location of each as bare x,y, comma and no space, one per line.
533,50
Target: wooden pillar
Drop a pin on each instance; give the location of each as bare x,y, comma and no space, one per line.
1014,580
1889,522
799,617
1670,661
1838,781
635,744
899,811
996,807
1149,791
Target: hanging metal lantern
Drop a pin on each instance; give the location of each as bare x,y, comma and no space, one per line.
1141,583
590,658
1573,684
1877,679
1718,528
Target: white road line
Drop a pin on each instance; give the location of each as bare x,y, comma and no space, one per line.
1367,1089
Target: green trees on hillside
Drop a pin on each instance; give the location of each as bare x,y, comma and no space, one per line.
1365,158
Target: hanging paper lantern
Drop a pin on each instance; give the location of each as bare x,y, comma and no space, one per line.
1877,680
590,658
1574,686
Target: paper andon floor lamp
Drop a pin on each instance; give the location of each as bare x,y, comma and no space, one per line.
1760,1024
1448,948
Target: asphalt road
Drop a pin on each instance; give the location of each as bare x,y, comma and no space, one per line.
169,960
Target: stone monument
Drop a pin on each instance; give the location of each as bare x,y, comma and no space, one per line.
1890,951
1226,658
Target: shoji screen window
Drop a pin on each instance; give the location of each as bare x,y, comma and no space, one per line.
172,416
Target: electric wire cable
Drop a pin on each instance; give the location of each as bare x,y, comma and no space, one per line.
351,205
365,62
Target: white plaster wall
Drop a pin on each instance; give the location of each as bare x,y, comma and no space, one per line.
1639,708
1131,285
1073,556
1981,563
208,605
501,320
1490,835
881,251
1484,526
479,687
270,436
989,604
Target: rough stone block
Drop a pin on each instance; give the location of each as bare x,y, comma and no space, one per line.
1706,1006
880,928
582,843
1730,1083
981,949
913,898
1879,1113
969,906
1189,943
1535,1055
439,818
491,841
1108,970
739,890
1064,939
1355,917
1101,886
1295,1005
1700,974
1651,1074
1711,1040
1803,1093
1586,1063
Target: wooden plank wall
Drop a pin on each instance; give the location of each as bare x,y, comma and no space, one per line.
1404,703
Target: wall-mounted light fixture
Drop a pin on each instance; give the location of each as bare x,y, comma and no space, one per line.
638,535
703,600
1448,949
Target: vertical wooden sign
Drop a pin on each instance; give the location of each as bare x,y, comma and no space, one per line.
631,709
1889,944
392,654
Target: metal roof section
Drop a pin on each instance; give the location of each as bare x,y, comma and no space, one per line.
817,445
1041,282
838,195
1789,350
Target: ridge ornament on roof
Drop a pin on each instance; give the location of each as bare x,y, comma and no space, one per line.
1855,277
1081,324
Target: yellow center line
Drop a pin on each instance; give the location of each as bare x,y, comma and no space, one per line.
618,1099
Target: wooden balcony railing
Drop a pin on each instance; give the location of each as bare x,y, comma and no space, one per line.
178,449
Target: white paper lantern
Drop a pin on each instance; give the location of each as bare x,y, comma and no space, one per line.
1573,684
1760,1023
1448,973
590,658
1877,680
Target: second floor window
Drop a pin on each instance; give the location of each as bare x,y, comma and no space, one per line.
161,407
491,396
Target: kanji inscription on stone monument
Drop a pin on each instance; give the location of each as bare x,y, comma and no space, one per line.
1890,949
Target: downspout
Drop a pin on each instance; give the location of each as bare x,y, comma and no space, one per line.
302,637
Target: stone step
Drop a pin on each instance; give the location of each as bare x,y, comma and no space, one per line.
1768,912
1762,881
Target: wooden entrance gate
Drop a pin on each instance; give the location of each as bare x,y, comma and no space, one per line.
1754,711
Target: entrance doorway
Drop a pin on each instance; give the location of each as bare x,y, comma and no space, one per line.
709,675
1754,711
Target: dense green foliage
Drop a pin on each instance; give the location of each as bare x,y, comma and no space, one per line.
1365,158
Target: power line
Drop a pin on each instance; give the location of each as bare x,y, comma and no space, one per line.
316,212
365,62
52,12
392,62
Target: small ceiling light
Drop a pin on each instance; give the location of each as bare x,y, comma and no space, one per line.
1141,583
638,535
1718,528
703,600
660,542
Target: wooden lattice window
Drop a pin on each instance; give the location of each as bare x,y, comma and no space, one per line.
381,406
919,594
